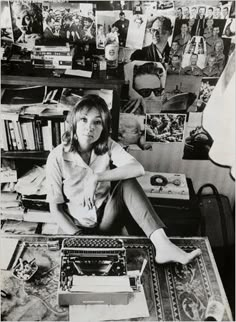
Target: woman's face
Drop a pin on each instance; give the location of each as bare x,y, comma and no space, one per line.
148,86
89,127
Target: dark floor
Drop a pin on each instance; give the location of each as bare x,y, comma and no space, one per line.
225,261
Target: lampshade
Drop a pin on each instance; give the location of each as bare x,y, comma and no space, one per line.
219,118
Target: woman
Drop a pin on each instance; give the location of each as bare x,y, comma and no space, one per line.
79,176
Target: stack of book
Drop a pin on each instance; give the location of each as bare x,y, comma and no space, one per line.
52,57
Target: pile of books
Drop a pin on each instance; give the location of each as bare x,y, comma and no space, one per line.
52,57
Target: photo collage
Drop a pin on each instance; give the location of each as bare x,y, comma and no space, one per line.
172,53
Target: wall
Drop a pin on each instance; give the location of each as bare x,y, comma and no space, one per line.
168,158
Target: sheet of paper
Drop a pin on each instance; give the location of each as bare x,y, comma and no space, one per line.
137,308
101,284
8,247
78,72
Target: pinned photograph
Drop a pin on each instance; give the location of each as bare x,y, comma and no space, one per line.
6,26
198,141
73,22
137,26
207,86
181,94
131,132
202,11
146,87
157,40
27,22
112,26
164,128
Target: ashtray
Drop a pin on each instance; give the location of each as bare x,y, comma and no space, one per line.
24,270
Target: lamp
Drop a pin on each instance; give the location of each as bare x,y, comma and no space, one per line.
219,118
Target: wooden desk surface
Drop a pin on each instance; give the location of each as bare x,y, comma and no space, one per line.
173,292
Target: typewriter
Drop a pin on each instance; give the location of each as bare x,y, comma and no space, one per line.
93,271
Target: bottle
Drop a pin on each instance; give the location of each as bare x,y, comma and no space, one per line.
215,309
111,52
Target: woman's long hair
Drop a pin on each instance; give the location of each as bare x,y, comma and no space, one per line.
87,103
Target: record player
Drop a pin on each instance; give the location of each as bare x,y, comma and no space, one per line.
165,185
93,271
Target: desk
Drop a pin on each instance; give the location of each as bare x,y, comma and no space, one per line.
167,287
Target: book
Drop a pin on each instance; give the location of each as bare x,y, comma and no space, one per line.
12,135
47,136
8,133
18,135
38,128
30,135
4,142
62,128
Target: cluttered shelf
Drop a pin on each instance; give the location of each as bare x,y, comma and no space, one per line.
109,83
29,155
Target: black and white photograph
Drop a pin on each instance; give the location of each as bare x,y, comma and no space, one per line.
27,22
164,127
146,87
181,93
73,22
207,86
6,24
198,141
117,139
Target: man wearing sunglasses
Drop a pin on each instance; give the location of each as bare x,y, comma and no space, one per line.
148,87
159,49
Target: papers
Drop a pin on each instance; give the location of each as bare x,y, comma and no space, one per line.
78,72
8,247
136,308
100,284
33,182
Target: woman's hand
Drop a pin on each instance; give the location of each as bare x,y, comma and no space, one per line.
89,190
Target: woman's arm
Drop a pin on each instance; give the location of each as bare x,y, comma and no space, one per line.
132,169
62,219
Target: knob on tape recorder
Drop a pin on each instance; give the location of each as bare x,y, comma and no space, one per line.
93,271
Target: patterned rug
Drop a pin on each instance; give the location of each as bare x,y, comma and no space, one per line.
173,292
176,292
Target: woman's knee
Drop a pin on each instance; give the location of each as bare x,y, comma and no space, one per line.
129,183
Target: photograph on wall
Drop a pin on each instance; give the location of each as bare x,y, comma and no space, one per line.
229,29
202,10
136,31
197,142
157,40
6,25
164,127
70,21
181,94
199,52
207,86
146,87
27,22
113,27
131,134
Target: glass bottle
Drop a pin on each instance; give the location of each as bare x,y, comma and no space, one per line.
112,50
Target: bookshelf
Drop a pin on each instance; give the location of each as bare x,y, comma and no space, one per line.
11,81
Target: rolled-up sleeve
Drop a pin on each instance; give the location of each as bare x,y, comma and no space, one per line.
119,156
54,179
